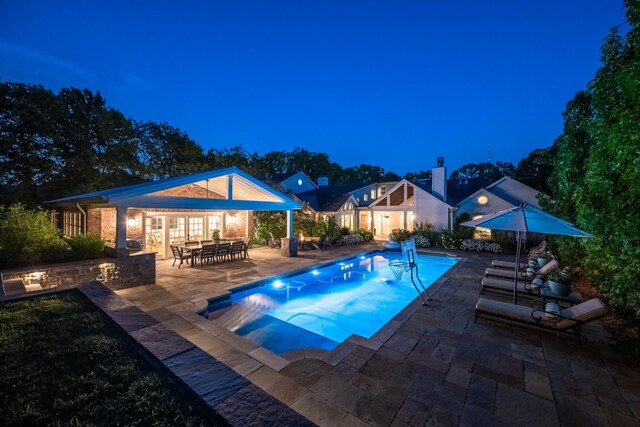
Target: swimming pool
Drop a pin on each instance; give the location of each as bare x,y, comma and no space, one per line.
321,307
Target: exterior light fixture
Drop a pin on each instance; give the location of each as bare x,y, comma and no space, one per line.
299,182
483,200
131,222
232,219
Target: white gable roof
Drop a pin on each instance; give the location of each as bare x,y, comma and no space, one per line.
238,189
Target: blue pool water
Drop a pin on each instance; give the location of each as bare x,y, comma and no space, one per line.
322,307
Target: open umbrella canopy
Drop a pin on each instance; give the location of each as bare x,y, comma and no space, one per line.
527,219
524,219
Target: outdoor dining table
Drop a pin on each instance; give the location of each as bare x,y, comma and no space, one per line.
195,250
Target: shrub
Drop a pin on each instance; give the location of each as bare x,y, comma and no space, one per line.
450,241
267,223
365,234
27,237
421,241
399,235
479,245
85,246
350,239
423,227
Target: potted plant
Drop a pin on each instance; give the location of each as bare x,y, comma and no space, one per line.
215,235
544,258
560,281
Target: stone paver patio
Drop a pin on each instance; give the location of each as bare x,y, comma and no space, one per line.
430,365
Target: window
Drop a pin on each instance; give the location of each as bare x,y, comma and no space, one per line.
215,223
481,232
373,194
382,190
72,225
176,230
196,228
155,233
365,197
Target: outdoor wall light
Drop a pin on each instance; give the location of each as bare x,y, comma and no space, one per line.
232,219
483,200
131,222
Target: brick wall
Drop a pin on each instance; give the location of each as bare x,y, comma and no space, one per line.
238,229
189,190
94,221
108,224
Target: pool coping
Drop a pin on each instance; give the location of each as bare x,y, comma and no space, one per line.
332,357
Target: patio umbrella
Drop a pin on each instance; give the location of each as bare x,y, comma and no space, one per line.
523,219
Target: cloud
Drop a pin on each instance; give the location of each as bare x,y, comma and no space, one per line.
24,62
134,81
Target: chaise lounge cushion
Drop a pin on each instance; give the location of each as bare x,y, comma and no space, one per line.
503,284
583,312
505,310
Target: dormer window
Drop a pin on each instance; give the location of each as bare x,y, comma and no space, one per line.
365,197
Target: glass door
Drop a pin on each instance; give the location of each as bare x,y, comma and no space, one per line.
196,229
176,230
154,235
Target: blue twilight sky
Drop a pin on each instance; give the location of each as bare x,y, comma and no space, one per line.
394,83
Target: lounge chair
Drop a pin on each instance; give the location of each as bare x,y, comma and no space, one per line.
534,252
569,321
508,274
494,284
180,254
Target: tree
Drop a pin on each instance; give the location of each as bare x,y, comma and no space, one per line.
421,174
28,117
535,169
596,170
167,151
484,170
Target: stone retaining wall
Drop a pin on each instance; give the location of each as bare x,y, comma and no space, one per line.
116,273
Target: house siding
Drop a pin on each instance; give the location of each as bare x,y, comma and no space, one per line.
473,208
432,211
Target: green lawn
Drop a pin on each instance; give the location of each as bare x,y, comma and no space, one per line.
62,362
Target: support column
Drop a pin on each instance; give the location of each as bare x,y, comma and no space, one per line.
290,224
289,245
121,231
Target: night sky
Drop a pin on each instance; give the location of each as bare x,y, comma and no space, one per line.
394,83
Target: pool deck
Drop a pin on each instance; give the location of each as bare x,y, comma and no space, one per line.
430,365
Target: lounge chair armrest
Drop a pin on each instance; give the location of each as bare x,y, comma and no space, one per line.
538,304
556,317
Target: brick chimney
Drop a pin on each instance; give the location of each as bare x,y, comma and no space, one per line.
439,180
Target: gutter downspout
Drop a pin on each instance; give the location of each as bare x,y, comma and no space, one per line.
451,209
84,218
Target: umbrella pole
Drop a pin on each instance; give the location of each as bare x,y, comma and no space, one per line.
515,277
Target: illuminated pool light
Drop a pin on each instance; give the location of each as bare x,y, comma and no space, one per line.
278,284
315,272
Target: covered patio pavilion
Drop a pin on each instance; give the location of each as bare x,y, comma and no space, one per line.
174,210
